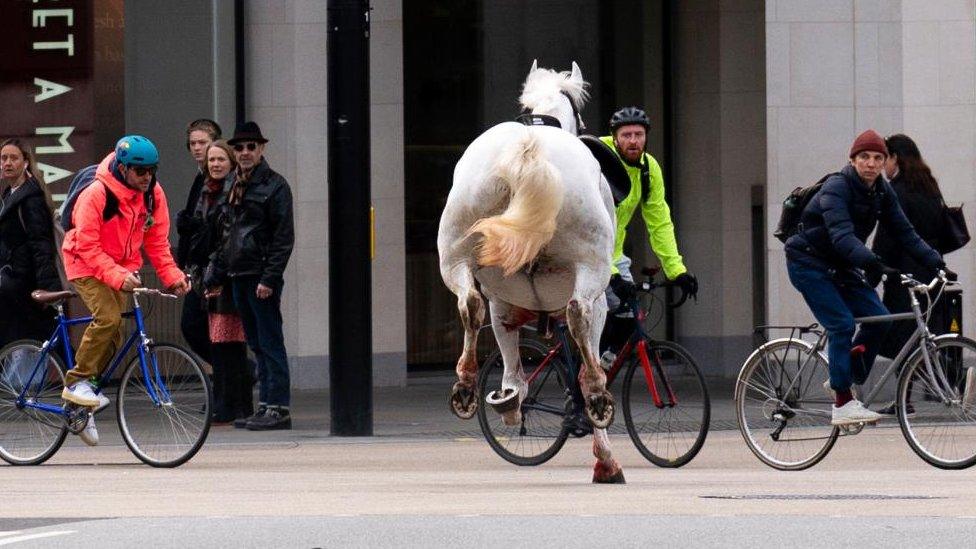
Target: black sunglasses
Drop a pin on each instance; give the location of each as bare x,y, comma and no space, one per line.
250,146
141,171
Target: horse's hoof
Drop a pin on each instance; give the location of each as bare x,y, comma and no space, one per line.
463,402
608,472
600,410
506,403
616,478
504,400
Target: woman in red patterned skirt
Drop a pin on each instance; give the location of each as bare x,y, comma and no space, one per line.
232,378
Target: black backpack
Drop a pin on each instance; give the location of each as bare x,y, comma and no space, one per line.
793,206
82,180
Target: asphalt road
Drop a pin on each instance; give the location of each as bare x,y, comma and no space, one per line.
305,489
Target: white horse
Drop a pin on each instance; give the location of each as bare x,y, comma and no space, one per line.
531,217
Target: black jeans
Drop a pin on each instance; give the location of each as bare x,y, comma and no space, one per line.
232,380
195,325
263,328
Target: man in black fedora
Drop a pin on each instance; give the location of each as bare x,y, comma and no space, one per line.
259,236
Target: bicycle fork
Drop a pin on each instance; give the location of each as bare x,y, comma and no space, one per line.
649,375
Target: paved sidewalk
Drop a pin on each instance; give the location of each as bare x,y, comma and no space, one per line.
421,410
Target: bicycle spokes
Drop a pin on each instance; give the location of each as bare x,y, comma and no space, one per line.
783,411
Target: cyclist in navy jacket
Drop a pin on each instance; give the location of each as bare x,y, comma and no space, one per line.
829,263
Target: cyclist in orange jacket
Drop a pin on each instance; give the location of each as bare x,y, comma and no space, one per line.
111,225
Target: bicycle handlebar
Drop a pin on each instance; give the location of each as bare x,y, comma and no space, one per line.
649,285
154,291
919,286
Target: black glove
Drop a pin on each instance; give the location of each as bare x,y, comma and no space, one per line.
688,284
624,289
876,270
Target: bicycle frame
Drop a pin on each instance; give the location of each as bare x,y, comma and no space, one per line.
918,342
61,335
636,342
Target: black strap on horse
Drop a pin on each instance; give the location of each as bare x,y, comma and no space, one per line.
611,167
529,119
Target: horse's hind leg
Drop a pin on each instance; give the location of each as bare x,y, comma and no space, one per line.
585,314
464,395
606,470
505,322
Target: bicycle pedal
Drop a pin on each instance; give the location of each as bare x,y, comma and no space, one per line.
77,418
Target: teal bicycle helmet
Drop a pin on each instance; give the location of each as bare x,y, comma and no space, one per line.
136,150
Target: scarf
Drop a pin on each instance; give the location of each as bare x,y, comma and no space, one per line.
237,190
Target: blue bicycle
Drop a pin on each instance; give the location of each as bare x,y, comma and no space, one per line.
163,402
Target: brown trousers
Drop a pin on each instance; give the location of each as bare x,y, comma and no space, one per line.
103,336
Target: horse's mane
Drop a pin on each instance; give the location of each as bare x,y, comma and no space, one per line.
542,86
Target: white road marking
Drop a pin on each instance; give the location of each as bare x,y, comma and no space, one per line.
28,537
10,533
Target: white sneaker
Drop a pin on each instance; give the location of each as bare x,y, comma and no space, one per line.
102,402
853,412
81,394
90,434
833,395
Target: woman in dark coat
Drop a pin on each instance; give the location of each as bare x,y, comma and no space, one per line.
27,248
920,198
232,379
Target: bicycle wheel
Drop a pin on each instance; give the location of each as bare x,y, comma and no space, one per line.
169,433
669,436
783,411
942,427
29,436
541,433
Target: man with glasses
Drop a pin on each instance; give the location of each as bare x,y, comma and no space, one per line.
258,238
103,254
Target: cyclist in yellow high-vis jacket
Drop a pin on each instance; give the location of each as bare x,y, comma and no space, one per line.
628,128
628,139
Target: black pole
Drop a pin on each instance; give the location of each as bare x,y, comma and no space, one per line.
350,318
240,63
667,50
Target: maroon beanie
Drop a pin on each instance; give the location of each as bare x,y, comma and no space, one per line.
869,140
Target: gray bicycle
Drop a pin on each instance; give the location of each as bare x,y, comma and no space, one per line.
784,410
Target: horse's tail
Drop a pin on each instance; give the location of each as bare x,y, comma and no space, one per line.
514,238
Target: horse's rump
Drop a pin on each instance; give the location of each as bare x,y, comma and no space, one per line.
514,238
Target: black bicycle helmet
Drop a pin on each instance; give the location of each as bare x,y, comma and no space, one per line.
629,115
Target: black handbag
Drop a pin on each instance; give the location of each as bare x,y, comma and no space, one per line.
955,233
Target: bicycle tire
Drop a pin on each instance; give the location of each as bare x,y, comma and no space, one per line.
933,416
541,434
181,425
29,436
811,428
684,426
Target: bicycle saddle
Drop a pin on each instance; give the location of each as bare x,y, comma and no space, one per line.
44,296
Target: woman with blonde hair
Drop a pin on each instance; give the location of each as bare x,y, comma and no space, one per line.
27,248
232,379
